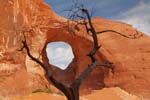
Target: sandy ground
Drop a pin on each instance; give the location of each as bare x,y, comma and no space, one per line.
104,94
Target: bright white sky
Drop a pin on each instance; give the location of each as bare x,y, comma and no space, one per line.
59,54
138,16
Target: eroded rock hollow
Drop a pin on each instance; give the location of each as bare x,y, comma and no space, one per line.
20,75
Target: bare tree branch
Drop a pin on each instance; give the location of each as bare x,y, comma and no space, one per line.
135,36
79,16
65,89
84,74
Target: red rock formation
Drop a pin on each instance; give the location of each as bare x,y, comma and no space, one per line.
130,56
19,74
104,94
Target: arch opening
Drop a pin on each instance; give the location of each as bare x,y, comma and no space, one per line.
59,54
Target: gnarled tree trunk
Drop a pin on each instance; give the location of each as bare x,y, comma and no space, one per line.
72,91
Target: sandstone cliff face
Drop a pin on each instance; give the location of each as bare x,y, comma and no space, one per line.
17,71
19,75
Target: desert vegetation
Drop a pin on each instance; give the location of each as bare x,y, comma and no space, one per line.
79,16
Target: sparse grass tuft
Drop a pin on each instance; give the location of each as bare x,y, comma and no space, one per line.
46,90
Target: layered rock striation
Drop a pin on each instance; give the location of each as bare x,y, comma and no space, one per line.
20,75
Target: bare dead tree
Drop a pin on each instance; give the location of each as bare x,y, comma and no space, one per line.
72,91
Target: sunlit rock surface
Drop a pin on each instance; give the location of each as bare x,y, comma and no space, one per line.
19,75
104,94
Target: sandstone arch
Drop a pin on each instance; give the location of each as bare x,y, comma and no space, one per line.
80,46
131,57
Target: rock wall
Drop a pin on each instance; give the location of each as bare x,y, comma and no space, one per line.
20,75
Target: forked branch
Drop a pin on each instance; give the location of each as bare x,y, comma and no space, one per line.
72,91
134,36
92,53
48,73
